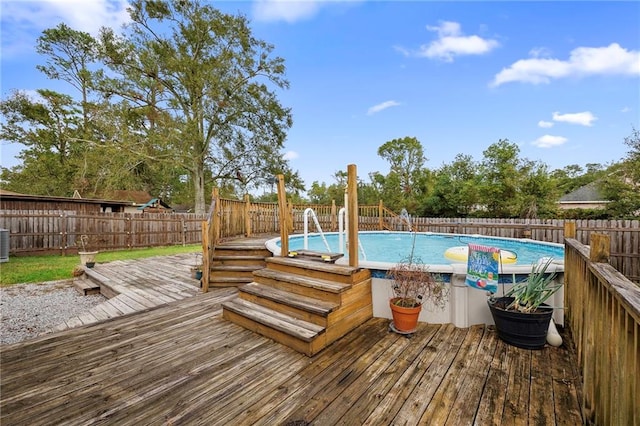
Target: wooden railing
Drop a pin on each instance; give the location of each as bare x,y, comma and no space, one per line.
603,314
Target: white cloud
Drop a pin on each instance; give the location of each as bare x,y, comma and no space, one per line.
23,22
610,60
451,42
284,10
548,141
625,109
382,106
545,124
290,155
585,118
80,15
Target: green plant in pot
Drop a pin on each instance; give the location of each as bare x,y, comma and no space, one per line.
521,316
412,286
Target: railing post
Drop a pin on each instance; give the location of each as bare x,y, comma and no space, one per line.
352,212
215,231
247,215
282,210
380,215
333,215
206,268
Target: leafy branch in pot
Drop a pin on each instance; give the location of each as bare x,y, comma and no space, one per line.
413,285
539,286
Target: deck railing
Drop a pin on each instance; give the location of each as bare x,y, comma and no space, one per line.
603,314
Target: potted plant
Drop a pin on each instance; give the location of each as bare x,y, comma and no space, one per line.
87,256
413,285
196,270
521,316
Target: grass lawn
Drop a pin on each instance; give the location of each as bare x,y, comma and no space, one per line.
35,269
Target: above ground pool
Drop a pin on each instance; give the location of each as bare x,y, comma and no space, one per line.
446,256
430,248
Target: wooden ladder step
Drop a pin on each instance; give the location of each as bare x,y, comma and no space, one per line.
236,268
315,283
313,265
223,258
86,286
287,324
304,303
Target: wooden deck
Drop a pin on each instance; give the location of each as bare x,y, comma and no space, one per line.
136,285
181,363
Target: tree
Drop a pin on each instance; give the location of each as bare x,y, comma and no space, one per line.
455,190
499,177
406,159
216,82
49,128
621,185
538,193
70,54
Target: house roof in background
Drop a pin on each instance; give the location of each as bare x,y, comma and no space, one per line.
586,193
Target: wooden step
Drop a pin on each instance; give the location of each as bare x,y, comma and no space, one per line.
86,286
307,286
239,260
298,306
300,335
222,281
241,250
310,268
317,256
234,270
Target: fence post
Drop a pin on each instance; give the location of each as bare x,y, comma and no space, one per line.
352,210
247,216
570,229
63,233
600,248
282,210
380,213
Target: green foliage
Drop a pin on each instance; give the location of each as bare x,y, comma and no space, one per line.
539,286
215,80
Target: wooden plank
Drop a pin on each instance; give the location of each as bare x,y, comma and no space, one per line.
297,328
421,379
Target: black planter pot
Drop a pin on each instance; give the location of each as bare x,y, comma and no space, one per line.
524,330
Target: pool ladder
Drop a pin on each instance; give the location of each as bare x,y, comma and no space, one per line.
342,234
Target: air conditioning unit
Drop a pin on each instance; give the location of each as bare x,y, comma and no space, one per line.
4,245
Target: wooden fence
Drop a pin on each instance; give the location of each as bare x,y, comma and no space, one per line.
34,231
603,313
59,231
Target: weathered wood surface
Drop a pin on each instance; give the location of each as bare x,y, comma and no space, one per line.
181,363
136,285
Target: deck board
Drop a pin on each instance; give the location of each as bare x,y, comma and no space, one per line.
182,363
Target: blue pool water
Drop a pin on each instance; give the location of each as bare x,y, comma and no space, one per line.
430,247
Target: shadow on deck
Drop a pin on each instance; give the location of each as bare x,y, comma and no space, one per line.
181,363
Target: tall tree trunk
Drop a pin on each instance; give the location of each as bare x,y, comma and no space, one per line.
198,185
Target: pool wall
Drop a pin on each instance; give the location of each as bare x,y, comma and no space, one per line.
466,307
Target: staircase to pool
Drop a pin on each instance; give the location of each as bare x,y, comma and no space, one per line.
302,303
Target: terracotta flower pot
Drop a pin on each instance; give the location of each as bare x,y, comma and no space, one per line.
404,319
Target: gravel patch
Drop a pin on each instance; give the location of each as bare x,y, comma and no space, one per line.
30,310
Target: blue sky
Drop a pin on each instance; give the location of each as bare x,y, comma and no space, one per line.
560,79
